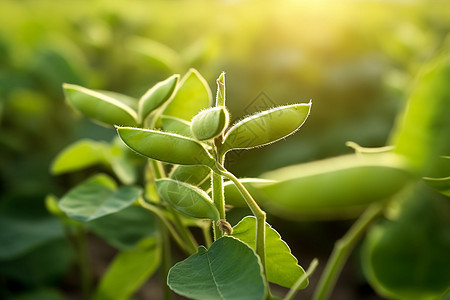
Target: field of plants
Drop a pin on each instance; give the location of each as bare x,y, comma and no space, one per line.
225,149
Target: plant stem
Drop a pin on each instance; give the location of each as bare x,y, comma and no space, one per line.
218,199
342,250
83,262
166,260
183,230
257,212
312,267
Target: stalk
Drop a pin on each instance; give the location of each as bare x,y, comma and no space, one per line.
166,261
342,250
83,262
218,196
312,267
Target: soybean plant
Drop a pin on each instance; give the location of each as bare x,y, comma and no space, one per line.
185,139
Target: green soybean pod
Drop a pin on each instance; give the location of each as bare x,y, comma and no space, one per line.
166,147
157,96
187,199
194,175
335,187
105,107
265,127
210,123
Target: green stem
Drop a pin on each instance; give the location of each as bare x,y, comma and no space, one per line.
83,262
257,212
312,267
183,230
219,201
207,235
342,250
166,261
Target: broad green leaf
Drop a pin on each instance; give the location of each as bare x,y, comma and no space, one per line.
187,199
104,107
194,175
157,96
176,125
228,270
407,257
422,132
210,123
21,235
79,155
135,223
333,187
97,197
129,270
192,96
166,147
281,266
265,127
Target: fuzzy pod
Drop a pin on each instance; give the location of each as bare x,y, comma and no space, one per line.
210,123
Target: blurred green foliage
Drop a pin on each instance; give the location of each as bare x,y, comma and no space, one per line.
355,59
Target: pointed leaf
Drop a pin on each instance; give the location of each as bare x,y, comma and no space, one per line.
97,197
192,96
281,265
77,156
187,199
228,270
407,257
167,147
101,106
157,96
266,127
129,271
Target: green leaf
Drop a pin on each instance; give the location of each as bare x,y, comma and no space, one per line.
333,187
265,127
39,294
104,107
281,265
187,199
129,270
166,147
77,156
122,161
422,132
192,96
135,223
194,175
407,257
157,96
176,125
97,197
228,270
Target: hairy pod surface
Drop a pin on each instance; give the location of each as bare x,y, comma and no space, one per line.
210,123
157,96
105,107
335,186
187,199
266,127
166,147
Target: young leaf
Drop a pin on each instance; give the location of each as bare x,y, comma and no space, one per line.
79,155
166,147
265,127
407,257
281,265
129,270
334,186
228,270
192,96
194,175
157,96
101,106
187,199
210,123
96,197
176,125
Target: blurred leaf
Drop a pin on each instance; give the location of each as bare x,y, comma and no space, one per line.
176,125
129,270
43,265
122,161
281,266
135,222
407,257
192,96
21,235
110,108
39,294
422,133
441,185
79,155
97,197
210,273
333,187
